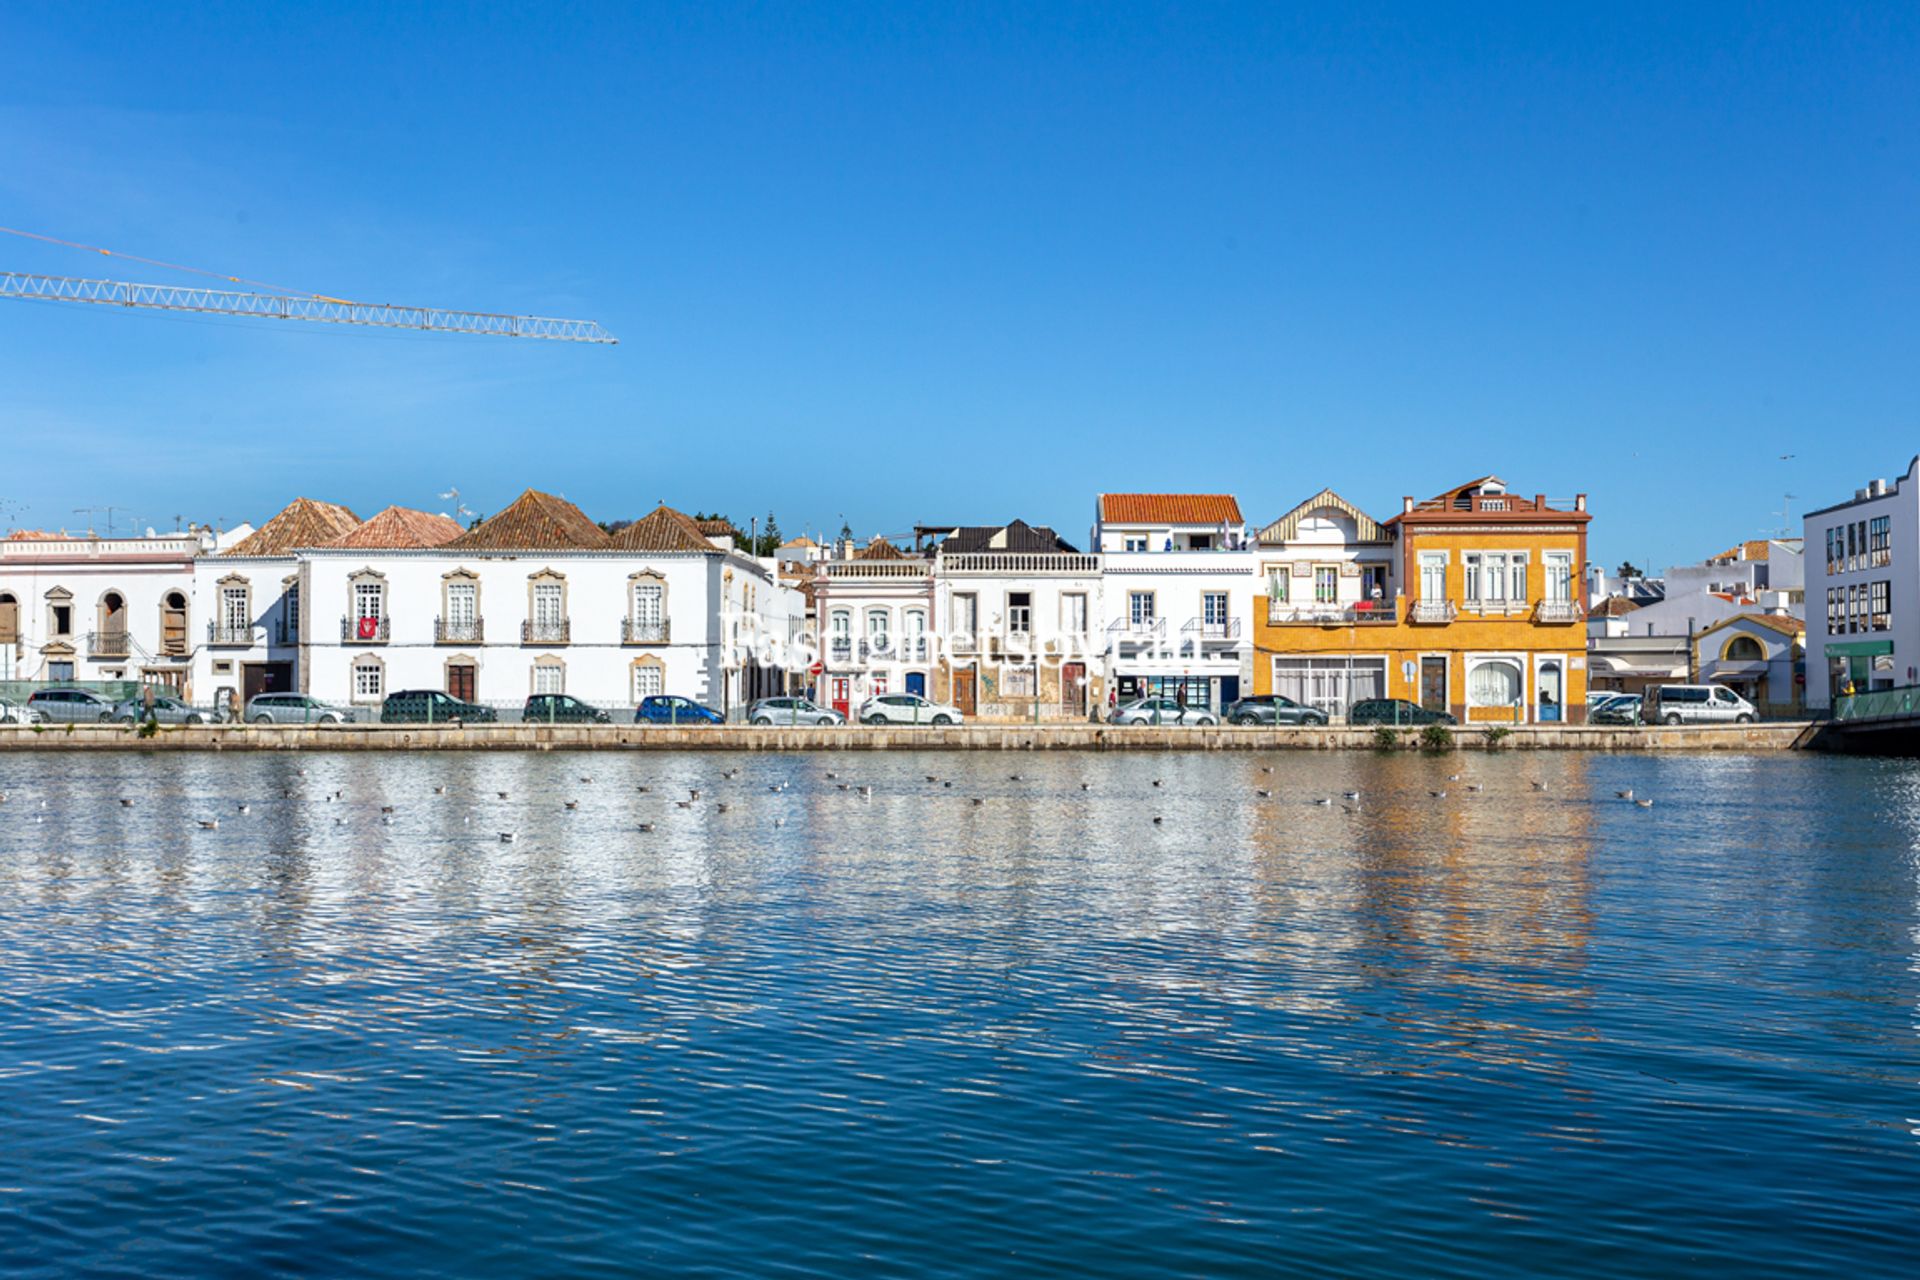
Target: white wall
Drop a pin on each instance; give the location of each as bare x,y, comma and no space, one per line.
142,571
1901,504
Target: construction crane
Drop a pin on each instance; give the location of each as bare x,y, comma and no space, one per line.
279,306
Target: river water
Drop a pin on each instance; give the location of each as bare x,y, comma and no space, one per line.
1513,1031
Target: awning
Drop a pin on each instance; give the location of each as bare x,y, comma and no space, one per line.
1752,670
1859,648
1623,665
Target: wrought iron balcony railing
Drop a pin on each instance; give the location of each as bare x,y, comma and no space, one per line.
109,644
460,631
1434,611
552,631
633,631
363,630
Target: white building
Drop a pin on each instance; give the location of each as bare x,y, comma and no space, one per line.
1757,655
1016,608
99,609
247,597
874,607
539,599
1863,615
1178,580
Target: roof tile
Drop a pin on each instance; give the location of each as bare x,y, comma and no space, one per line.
303,522
1169,508
663,529
535,521
400,529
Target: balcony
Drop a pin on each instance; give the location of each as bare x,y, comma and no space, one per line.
1019,564
1360,613
464,631
229,637
1216,631
363,630
1127,631
878,650
550,631
286,634
109,644
1433,611
634,631
1557,611
840,649
964,642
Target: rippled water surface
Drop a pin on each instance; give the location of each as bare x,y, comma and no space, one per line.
1503,1032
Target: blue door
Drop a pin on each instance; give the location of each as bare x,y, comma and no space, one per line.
1552,692
917,683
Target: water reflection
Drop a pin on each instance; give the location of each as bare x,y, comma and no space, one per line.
1499,1031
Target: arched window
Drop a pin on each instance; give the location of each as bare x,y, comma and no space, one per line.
173,623
841,640
1494,683
9,618
1745,649
878,624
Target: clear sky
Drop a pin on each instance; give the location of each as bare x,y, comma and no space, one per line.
970,262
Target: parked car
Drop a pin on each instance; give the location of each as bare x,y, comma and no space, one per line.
1697,704
562,708
792,711
671,708
1620,708
1161,711
15,713
907,708
1395,711
1273,708
292,708
430,706
166,709
70,706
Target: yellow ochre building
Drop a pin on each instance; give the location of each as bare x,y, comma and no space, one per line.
1472,602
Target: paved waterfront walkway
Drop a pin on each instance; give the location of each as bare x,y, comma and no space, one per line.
1069,737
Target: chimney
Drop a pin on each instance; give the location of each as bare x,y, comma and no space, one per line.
1406,505
1539,502
1579,502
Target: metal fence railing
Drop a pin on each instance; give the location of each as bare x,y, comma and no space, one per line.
1876,703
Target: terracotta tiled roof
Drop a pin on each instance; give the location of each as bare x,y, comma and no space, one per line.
34,535
301,523
1169,508
402,528
1786,626
879,549
1751,549
535,521
715,528
663,529
1613,607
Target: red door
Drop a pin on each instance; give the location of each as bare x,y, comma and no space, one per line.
462,681
841,688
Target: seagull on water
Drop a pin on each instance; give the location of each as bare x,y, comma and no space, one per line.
243,807
124,803
646,826
506,837
1644,804
1624,795
209,824
1438,795
571,804
1351,795
1263,793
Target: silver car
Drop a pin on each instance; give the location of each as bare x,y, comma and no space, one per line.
166,709
15,713
292,708
1161,711
907,708
792,711
71,706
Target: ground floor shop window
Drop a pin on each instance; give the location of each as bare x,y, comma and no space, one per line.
1330,684
1494,684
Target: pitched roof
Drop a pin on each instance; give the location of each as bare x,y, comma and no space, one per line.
1016,535
1287,527
535,521
663,529
717,527
1169,508
879,549
400,529
1786,626
301,523
1613,607
1751,549
802,541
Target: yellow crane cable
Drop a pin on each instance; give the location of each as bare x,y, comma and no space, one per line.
173,266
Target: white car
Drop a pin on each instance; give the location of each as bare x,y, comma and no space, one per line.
14,713
907,708
1161,711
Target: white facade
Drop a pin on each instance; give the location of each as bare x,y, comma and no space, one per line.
1863,590
876,621
1019,629
248,634
1755,656
99,609
608,627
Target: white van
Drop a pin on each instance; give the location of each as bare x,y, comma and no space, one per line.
1696,704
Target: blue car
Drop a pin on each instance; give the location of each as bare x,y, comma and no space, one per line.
671,708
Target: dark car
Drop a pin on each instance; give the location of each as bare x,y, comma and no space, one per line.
562,708
1624,709
70,706
671,708
430,706
1395,711
1273,708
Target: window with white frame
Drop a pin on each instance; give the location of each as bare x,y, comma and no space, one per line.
649,681
1517,577
549,677
1326,584
1136,542
1277,583
648,598
234,609
1433,575
1214,611
878,622
915,624
1559,585
966,614
549,602
1018,682
1073,613
842,637
1020,613
369,600
1494,683
369,680
1140,608
463,604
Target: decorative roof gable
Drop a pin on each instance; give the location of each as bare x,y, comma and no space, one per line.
1287,527
303,522
535,521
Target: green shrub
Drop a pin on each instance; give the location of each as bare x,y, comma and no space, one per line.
148,728
1437,737
1386,737
1498,734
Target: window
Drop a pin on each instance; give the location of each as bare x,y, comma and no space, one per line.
368,600
369,680
648,598
916,628
877,626
58,670
1433,575
1019,612
1326,584
1493,684
1213,611
1136,542
1199,542
1853,546
62,619
648,682
1073,613
1745,649
1880,541
1018,682
1373,581
1517,577
549,677
290,611
1880,606
1277,583
1559,566
1834,616
548,604
966,615
463,604
234,609
1140,608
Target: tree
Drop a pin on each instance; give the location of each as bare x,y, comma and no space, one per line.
1628,570
770,539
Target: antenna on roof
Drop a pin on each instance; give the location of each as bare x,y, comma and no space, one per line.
460,510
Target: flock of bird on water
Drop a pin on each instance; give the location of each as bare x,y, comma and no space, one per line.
1351,799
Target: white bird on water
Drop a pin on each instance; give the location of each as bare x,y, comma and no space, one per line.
209,824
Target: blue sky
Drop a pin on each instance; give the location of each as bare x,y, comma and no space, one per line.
900,263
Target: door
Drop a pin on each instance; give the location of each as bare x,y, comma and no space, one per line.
964,683
1433,684
840,690
1073,688
1550,691
253,681
917,683
463,681
173,624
